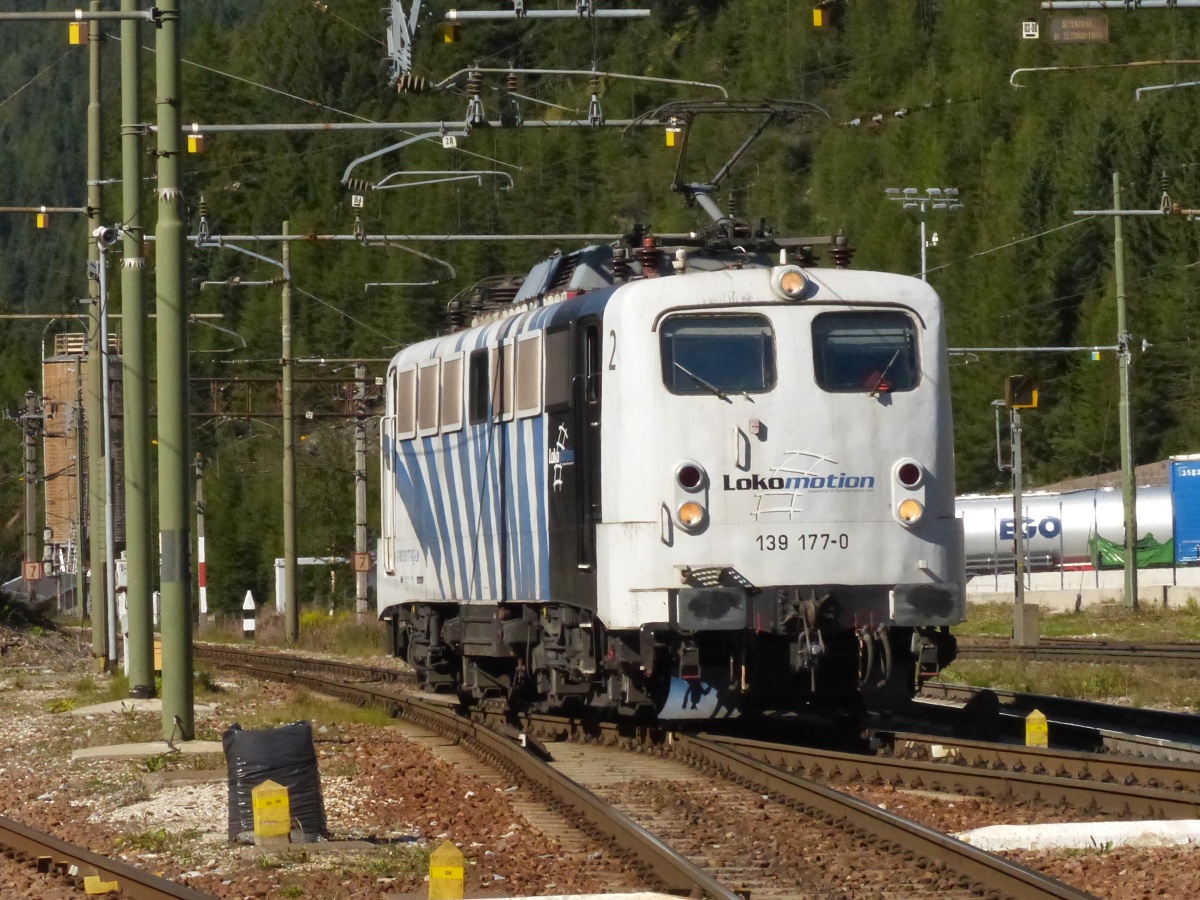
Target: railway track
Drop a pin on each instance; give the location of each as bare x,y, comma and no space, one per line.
1084,724
912,844
1181,653
89,870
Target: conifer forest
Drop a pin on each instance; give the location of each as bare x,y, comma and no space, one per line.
919,94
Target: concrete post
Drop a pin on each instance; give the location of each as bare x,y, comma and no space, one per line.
1128,482
291,612
94,397
135,383
174,476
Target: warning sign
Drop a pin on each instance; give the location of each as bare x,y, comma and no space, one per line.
362,562
1090,29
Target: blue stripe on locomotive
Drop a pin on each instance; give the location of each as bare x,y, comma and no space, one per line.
483,465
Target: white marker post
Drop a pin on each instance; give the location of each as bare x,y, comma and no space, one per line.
248,616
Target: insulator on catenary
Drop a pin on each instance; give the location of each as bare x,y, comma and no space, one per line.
409,83
473,82
511,83
359,185
595,83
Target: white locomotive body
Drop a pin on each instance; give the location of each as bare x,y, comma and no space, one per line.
730,489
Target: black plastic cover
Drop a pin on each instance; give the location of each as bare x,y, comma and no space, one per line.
285,755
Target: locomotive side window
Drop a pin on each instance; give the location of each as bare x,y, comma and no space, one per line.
503,358
452,393
406,404
477,402
865,351
529,374
718,354
427,398
558,368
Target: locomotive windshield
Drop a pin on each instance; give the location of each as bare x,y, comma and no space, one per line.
865,351
718,354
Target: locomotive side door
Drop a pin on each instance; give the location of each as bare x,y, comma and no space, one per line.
588,359
572,401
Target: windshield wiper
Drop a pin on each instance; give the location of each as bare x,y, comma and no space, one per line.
696,378
884,373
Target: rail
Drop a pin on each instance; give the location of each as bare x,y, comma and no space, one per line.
880,827
655,859
1118,799
1156,726
52,853
1185,654
889,832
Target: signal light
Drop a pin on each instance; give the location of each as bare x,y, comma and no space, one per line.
674,131
909,474
77,33
827,13
1020,392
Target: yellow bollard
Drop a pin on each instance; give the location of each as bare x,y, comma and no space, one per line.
94,885
272,814
1037,731
446,872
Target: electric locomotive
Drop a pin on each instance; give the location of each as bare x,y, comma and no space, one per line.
680,481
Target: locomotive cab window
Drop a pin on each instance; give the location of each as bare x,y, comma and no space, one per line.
865,351
718,354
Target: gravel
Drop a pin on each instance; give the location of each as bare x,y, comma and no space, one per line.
377,785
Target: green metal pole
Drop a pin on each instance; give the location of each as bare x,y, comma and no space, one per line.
290,610
135,381
94,398
174,463
1128,483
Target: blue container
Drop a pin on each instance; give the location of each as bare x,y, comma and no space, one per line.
1185,497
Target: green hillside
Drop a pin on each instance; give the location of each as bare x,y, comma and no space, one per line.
1015,267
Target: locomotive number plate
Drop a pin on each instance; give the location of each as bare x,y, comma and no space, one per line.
812,540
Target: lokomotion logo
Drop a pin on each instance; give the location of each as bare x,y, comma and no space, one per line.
839,482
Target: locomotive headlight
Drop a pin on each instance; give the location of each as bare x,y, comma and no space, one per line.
789,282
910,511
691,514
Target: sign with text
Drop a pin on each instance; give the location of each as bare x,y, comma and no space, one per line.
362,562
33,570
1091,29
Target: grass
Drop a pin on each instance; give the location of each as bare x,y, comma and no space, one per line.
177,844
318,710
340,633
1108,620
393,861
1156,686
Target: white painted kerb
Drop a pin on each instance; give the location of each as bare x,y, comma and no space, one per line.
1084,835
